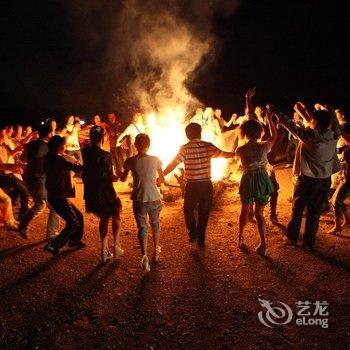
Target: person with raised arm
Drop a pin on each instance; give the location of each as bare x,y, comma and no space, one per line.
196,156
316,162
256,185
257,113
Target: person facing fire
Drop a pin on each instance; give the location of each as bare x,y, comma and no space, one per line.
196,156
145,195
258,113
59,188
256,185
99,194
316,162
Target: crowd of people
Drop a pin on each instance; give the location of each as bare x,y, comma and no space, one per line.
41,167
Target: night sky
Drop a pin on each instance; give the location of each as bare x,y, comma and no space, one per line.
53,63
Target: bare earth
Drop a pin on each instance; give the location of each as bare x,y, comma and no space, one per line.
191,300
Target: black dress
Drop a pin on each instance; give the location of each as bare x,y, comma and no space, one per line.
99,194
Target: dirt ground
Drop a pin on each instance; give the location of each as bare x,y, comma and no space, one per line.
190,300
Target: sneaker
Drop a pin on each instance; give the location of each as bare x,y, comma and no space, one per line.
118,251
51,249
12,224
156,254
106,255
145,264
77,245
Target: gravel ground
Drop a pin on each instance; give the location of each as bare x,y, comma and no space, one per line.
190,300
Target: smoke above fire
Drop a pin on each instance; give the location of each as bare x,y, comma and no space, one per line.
161,44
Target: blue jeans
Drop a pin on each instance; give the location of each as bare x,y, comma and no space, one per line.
141,210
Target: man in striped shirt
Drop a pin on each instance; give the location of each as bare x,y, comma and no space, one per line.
196,156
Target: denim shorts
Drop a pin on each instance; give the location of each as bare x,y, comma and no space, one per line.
142,210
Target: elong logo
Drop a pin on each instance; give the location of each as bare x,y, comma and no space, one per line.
274,315
282,314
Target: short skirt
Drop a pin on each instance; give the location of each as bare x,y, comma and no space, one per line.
256,186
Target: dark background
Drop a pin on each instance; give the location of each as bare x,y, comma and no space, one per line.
289,50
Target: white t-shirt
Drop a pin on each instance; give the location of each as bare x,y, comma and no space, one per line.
144,172
72,143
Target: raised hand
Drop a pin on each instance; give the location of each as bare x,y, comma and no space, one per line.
35,135
250,93
299,106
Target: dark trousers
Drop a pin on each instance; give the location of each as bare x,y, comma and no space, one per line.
198,199
37,190
74,229
309,193
15,188
274,195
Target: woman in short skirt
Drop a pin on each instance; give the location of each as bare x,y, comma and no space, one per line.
99,194
255,186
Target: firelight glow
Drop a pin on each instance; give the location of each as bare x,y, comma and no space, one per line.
167,132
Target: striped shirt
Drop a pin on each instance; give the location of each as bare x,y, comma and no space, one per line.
196,156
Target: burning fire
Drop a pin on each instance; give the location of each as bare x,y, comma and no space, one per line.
167,132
